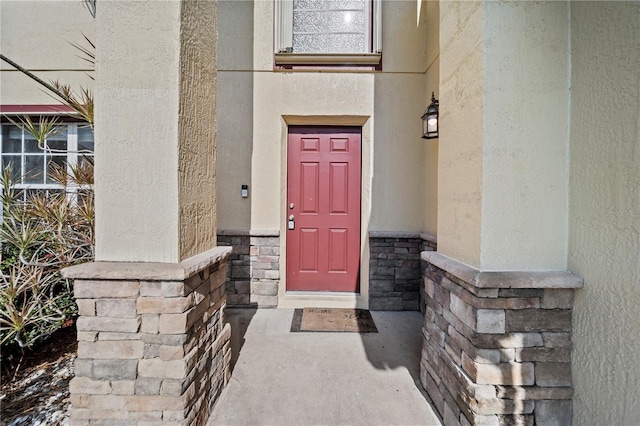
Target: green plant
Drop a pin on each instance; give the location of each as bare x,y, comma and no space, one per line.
43,232
41,235
32,305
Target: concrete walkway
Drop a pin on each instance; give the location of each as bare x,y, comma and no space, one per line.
284,378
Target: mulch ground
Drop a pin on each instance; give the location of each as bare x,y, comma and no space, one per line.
34,387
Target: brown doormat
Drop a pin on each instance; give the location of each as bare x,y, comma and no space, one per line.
332,319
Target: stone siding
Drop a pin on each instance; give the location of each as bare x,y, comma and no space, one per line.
238,282
497,346
395,270
429,243
153,347
253,276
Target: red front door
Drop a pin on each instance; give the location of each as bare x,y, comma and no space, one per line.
323,209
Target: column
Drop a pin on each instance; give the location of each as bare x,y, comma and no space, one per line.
152,342
497,335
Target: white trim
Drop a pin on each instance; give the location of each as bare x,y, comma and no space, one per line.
72,154
284,26
72,146
376,31
371,59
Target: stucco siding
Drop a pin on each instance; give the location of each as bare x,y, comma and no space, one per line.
604,238
398,188
460,141
253,98
432,84
137,221
525,135
234,113
37,35
234,148
197,128
278,94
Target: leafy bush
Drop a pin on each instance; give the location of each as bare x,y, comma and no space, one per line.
41,234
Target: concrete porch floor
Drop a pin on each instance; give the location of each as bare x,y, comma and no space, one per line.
284,378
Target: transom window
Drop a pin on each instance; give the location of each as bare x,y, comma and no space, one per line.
328,32
72,144
331,26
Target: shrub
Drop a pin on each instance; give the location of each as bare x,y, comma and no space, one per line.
41,233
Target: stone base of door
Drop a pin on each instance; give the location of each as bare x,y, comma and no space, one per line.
395,270
497,345
152,342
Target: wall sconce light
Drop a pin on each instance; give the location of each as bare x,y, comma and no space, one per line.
430,119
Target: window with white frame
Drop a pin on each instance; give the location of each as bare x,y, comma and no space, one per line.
325,32
29,162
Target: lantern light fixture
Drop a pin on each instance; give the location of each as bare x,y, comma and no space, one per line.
430,119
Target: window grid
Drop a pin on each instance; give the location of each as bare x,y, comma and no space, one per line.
34,160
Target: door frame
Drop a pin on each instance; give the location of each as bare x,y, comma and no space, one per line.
299,299
325,279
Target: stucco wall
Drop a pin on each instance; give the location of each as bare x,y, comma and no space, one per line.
398,194
36,35
432,84
251,131
155,127
278,94
461,129
234,113
197,128
136,168
525,133
504,101
604,237
398,190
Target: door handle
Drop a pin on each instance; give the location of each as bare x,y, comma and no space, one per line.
292,223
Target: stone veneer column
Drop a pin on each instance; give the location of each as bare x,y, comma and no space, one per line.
497,345
152,342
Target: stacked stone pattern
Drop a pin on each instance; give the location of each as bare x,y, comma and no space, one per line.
496,356
429,243
238,281
150,352
394,272
254,273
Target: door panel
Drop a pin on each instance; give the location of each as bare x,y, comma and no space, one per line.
323,186
310,187
338,188
338,251
308,250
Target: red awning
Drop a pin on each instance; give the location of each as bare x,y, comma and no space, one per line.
35,110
